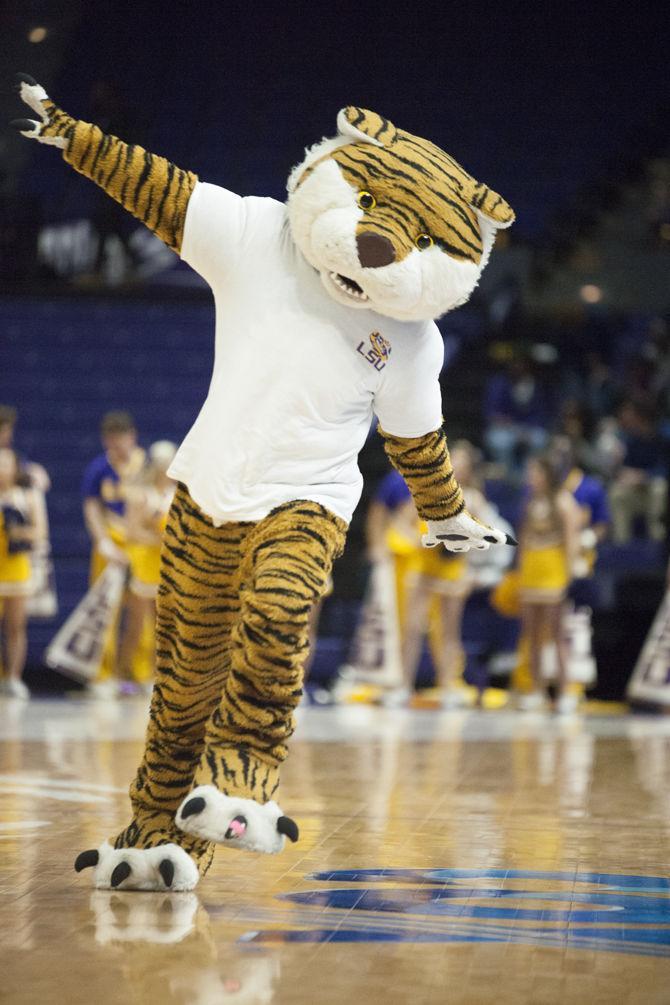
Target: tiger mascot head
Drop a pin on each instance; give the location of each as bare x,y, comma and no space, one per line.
391,222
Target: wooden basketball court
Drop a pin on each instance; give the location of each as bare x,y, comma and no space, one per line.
461,857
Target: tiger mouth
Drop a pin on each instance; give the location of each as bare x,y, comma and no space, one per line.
349,286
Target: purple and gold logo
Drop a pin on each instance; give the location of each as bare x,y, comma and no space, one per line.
378,352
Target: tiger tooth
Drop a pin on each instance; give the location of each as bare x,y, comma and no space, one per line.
343,285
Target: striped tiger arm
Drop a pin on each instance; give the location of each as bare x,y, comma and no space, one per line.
425,464
150,187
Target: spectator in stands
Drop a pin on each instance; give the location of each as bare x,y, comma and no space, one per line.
594,386
658,350
638,381
575,429
658,209
608,449
8,418
601,390
517,413
640,486
21,528
548,550
104,490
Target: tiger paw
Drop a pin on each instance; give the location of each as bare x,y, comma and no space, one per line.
236,822
164,867
53,126
462,532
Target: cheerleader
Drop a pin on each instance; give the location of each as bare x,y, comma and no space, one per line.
148,500
43,602
548,552
104,487
21,528
439,579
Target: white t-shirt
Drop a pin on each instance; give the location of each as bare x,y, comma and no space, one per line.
296,376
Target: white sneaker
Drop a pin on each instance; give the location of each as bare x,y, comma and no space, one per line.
567,704
454,697
531,702
105,689
397,697
322,696
15,689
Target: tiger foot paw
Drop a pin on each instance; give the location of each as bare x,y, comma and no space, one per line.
165,867
236,822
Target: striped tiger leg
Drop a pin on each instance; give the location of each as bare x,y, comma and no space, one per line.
150,829
198,603
287,561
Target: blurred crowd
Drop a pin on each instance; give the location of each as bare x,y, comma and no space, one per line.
583,445
610,410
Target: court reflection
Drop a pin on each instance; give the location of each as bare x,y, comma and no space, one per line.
146,917
199,970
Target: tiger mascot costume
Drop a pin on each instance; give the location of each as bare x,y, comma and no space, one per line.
324,314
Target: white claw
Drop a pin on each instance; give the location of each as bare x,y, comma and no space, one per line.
34,95
34,132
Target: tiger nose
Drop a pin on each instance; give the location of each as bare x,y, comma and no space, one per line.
374,250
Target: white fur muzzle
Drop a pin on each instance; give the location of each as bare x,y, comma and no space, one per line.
324,217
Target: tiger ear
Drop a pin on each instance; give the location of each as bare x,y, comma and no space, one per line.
491,205
366,127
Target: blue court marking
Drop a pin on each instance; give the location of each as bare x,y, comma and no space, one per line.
440,905
443,876
610,907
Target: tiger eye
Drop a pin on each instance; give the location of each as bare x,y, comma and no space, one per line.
424,241
366,200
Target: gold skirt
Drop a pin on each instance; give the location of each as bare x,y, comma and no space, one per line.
15,575
543,575
447,574
145,561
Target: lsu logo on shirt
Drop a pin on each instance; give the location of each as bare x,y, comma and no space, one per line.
378,352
